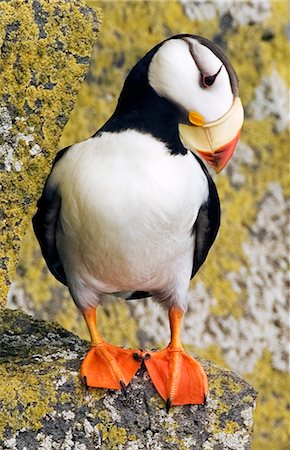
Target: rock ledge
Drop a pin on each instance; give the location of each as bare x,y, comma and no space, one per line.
43,404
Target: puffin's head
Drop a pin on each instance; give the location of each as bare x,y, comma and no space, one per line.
195,75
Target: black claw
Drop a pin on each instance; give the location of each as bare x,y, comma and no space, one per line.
137,357
147,356
168,404
205,399
84,380
123,385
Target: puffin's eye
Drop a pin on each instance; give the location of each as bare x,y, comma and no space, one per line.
208,80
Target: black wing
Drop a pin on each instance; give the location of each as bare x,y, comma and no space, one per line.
206,225
45,223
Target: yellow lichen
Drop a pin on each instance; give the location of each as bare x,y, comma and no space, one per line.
65,397
24,401
231,427
112,436
271,419
217,386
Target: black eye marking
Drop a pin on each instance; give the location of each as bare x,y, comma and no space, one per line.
208,80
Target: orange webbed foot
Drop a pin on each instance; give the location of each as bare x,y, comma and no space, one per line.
108,366
178,378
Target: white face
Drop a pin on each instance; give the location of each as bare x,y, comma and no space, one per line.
175,73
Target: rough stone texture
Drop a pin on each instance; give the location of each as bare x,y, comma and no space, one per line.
43,403
45,48
238,314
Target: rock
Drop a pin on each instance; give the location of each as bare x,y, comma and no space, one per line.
45,48
44,404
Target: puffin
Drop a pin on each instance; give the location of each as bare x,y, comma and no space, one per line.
133,211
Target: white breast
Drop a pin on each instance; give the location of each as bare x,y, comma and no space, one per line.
127,212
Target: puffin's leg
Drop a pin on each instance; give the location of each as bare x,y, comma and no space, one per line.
105,365
178,378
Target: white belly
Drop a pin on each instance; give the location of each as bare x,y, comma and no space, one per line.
127,212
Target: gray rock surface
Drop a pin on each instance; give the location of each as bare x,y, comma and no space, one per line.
43,404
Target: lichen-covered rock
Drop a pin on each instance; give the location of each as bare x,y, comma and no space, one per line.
43,404
45,48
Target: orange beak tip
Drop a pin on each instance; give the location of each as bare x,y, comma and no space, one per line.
219,158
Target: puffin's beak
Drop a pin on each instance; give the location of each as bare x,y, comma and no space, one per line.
214,141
